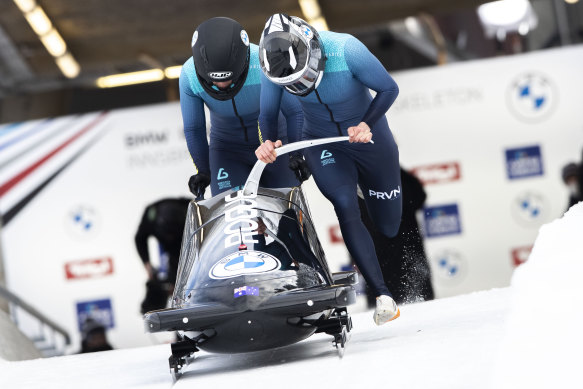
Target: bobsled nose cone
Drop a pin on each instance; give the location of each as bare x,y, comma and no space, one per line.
251,329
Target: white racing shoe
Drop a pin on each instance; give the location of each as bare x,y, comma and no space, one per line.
386,310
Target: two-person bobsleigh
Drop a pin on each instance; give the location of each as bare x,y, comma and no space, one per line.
253,275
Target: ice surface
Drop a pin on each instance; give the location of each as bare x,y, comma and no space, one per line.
524,336
544,337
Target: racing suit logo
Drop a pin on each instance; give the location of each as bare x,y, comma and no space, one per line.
392,195
223,175
326,158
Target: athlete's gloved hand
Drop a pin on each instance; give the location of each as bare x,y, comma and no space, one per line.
298,164
198,183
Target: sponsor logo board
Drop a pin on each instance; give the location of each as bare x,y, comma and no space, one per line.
442,220
98,310
88,268
438,173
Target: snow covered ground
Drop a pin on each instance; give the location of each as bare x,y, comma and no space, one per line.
524,336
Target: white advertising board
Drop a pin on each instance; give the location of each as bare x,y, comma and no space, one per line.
488,139
493,136
70,220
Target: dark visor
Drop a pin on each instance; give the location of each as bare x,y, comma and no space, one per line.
279,61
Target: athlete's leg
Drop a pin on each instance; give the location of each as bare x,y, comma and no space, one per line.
380,182
335,174
229,167
278,174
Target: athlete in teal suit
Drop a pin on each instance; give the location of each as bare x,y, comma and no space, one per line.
330,74
224,74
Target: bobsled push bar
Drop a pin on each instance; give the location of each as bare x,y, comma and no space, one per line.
252,183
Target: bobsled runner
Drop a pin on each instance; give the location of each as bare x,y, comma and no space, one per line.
253,275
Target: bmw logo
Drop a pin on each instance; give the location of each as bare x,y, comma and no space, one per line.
530,209
307,31
82,221
244,37
449,266
244,263
531,97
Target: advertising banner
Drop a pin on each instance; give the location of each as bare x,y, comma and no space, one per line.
486,138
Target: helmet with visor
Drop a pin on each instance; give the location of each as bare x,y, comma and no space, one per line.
291,54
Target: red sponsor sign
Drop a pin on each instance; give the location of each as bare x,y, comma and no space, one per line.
438,173
520,255
89,268
335,234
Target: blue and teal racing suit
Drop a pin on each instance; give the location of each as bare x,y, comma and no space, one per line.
341,100
234,134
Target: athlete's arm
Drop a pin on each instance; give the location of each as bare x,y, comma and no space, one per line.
270,101
269,105
194,121
294,116
368,70
145,230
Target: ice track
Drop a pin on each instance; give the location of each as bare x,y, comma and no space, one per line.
525,336
440,340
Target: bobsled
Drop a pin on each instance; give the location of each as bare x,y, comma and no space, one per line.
253,275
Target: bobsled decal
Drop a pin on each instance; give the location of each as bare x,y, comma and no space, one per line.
240,211
243,263
246,291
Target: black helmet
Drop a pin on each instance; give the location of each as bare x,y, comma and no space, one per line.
291,54
220,50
